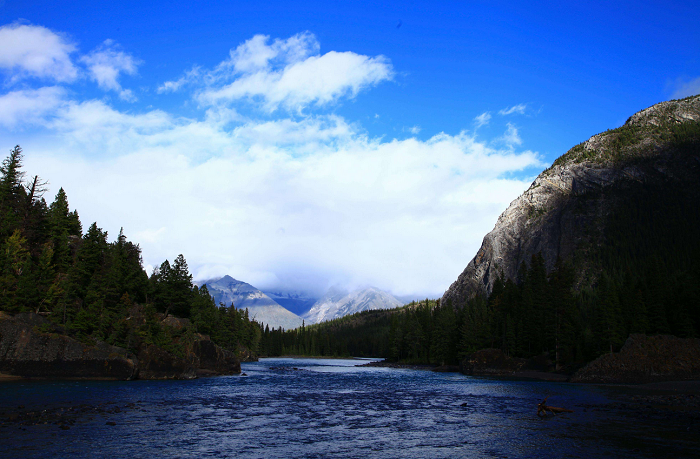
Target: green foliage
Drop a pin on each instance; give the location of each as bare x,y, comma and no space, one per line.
422,332
94,289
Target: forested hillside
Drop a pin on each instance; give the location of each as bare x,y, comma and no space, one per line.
603,244
94,289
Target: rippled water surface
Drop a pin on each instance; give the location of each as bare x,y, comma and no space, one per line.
315,408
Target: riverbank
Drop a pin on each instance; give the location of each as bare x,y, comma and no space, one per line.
683,387
32,347
524,375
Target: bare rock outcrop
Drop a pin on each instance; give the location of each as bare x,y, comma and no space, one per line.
211,359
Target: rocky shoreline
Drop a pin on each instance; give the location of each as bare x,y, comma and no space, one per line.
33,347
663,362
645,359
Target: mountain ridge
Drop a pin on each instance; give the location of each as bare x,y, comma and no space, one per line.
338,303
242,295
549,216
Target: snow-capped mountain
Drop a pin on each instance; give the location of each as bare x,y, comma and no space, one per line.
337,303
261,307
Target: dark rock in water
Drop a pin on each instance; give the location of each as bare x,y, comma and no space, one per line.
645,359
110,423
31,346
243,374
490,362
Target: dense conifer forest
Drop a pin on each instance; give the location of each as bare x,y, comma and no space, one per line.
641,275
644,278
94,288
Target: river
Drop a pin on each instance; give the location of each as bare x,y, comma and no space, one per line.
319,408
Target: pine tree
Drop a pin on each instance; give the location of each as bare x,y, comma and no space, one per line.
12,193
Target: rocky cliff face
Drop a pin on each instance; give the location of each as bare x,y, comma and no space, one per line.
562,213
33,347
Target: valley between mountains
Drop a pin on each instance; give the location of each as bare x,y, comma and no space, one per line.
592,274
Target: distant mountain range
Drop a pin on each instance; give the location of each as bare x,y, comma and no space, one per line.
296,302
288,309
261,307
338,303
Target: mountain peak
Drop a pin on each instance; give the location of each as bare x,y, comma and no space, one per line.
261,307
337,303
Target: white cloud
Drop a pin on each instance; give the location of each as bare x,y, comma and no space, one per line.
106,63
355,210
414,130
317,80
305,201
29,106
289,74
511,137
482,120
517,109
255,54
35,51
189,77
686,88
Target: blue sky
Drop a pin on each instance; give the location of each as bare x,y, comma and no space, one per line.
299,146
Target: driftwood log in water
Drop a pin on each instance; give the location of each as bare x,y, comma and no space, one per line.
542,409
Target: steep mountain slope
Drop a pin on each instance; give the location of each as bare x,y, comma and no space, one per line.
294,301
336,303
260,307
566,213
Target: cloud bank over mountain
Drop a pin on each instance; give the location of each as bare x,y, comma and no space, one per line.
260,177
